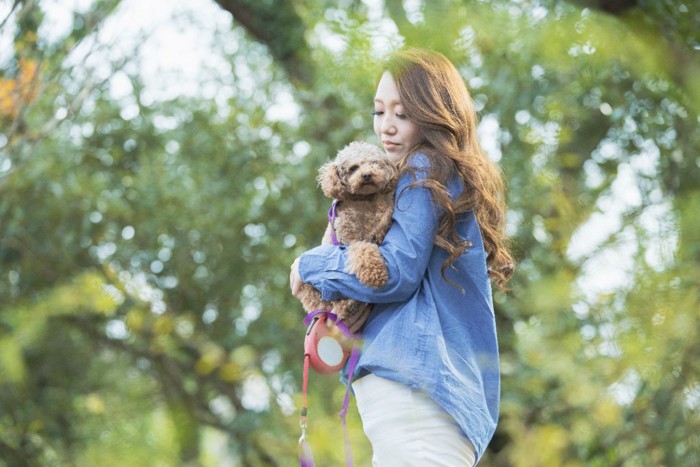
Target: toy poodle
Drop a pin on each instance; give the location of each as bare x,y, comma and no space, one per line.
361,180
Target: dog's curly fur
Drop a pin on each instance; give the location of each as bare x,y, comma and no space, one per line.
362,179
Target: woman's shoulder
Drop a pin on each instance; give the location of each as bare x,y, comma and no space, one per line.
413,168
418,161
419,164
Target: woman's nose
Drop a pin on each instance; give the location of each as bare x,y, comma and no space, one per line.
388,126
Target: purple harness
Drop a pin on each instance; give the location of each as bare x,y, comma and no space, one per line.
332,214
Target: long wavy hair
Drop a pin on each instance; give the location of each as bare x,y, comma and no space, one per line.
435,98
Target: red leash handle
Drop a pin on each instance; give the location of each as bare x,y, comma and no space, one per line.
327,343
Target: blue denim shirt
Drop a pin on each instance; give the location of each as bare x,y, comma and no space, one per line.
424,332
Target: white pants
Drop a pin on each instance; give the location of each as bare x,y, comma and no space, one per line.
407,428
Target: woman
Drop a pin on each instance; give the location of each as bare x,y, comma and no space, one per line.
428,381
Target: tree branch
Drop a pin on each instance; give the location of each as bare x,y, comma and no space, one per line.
614,7
278,26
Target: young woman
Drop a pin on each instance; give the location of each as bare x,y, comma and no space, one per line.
427,382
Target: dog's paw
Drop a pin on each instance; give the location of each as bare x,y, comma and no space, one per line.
344,308
367,263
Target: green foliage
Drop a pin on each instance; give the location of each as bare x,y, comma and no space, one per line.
145,244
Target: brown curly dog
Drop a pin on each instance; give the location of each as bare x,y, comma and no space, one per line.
362,180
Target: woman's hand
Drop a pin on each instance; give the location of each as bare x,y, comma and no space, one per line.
295,282
356,321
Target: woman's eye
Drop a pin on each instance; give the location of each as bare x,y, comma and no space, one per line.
353,168
401,116
377,113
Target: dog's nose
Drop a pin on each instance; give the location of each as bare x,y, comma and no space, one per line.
366,177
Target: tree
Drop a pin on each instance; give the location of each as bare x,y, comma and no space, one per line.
145,244
111,195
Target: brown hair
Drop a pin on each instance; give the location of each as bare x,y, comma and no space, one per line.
435,98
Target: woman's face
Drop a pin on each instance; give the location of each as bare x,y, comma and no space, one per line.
396,132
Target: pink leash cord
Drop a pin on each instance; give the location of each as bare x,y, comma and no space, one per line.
305,455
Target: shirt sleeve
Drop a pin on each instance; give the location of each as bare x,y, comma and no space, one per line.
406,250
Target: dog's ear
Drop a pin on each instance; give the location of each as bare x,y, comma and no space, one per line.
329,179
392,175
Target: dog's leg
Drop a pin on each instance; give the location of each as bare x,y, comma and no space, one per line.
310,299
367,263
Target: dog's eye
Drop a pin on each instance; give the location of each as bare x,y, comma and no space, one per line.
353,168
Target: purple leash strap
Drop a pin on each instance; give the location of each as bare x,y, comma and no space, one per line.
352,361
332,214
354,356
310,317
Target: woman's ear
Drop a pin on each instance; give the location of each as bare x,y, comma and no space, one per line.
330,180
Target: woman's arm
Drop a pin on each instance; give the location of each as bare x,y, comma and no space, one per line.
406,250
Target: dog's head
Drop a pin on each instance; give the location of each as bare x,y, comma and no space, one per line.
359,169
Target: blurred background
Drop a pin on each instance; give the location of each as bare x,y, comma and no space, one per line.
157,178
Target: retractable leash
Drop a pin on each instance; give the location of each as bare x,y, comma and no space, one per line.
326,351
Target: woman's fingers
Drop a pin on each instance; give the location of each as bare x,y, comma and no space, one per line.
356,320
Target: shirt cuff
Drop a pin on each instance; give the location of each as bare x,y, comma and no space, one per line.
317,265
